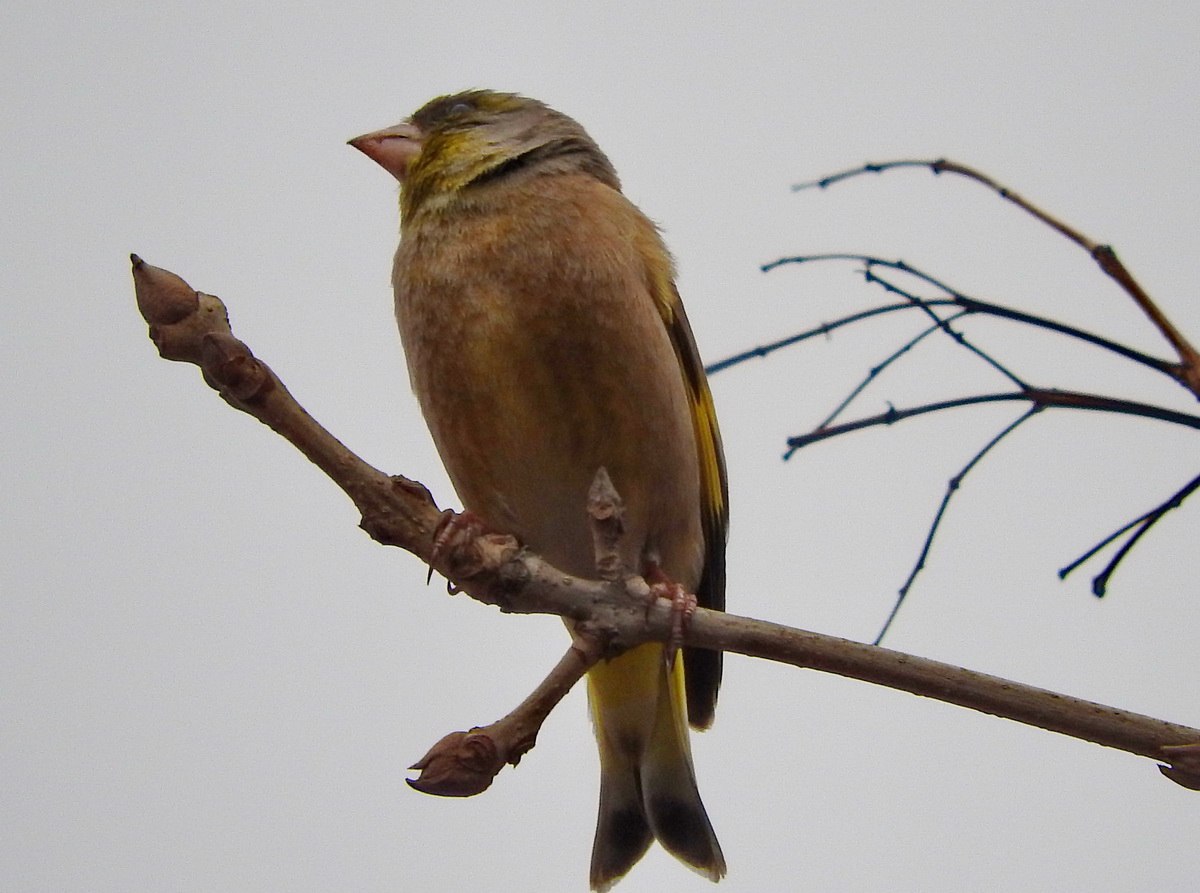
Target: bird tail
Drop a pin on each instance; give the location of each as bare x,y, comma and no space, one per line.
647,783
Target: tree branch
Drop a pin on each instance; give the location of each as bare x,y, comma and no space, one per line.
1140,526
955,298
610,615
952,487
1188,369
1037,396
1043,397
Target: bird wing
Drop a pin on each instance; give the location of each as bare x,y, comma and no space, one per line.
703,667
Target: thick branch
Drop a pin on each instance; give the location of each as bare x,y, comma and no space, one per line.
492,568
1109,726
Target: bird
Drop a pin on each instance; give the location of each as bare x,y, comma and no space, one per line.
545,339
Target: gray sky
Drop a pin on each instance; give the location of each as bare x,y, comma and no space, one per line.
213,680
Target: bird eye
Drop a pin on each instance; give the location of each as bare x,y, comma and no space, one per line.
460,108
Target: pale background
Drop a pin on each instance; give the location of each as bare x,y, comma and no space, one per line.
210,679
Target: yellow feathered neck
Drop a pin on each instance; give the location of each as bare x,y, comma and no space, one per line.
480,136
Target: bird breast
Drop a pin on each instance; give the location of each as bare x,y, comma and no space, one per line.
538,354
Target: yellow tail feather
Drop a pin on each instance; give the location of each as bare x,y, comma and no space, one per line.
647,783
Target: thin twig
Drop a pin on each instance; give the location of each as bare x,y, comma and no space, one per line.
975,305
1188,370
878,369
952,487
1064,572
954,334
1043,396
824,329
1143,522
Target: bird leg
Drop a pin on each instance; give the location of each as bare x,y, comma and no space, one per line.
683,606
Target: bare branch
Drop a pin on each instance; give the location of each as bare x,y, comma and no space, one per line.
952,487
1045,397
610,615
1049,710
971,306
1188,369
463,764
954,297
1142,523
823,329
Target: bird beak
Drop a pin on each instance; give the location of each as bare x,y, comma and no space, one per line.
393,149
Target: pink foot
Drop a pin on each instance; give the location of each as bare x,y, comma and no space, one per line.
683,607
453,530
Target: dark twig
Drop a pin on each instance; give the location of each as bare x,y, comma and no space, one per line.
1064,572
1043,396
974,305
969,306
952,487
1143,523
1187,371
878,369
945,324
954,335
823,329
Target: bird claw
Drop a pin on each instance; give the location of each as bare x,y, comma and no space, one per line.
683,608
453,530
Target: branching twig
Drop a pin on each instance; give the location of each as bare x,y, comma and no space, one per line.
971,305
1187,371
953,297
879,368
493,569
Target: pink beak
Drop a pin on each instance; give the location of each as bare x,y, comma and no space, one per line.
393,148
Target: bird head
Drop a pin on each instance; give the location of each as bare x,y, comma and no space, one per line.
465,141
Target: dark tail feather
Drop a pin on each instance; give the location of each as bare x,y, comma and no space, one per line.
622,833
678,819
648,791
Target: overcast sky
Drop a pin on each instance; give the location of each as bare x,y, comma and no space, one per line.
211,679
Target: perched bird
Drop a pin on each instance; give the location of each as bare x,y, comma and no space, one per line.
545,338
